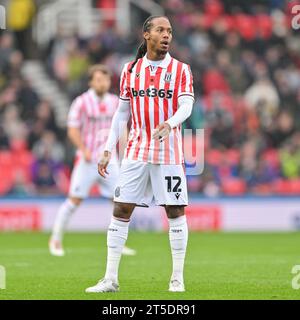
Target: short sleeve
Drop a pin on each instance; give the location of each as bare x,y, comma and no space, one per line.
124,90
186,82
75,113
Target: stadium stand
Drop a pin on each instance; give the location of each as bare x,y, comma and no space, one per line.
245,60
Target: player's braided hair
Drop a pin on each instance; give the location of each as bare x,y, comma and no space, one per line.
142,49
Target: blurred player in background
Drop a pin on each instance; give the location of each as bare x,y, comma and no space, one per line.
158,90
89,119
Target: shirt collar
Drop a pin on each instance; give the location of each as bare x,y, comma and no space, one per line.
164,64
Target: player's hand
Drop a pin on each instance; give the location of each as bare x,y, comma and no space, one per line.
161,131
87,155
103,163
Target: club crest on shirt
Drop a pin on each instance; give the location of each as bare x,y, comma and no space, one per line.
168,77
117,192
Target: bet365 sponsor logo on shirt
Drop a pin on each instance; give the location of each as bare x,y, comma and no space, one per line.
152,93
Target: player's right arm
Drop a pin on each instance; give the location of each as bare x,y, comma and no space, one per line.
74,135
74,125
119,123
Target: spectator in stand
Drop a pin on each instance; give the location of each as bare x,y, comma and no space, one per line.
49,147
12,124
290,161
263,97
264,174
19,19
4,141
6,49
44,177
282,129
224,170
21,187
27,100
248,162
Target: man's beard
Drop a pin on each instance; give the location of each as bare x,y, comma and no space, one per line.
99,93
161,53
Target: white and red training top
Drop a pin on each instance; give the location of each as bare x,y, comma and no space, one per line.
93,117
153,96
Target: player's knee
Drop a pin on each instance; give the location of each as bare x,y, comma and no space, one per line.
123,210
174,211
75,201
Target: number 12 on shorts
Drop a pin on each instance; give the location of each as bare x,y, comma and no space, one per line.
173,183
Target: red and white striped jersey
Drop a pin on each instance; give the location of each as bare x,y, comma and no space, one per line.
153,96
93,116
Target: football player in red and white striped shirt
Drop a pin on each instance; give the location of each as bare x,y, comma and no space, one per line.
157,90
89,120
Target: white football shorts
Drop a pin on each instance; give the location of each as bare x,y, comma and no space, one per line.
85,175
139,181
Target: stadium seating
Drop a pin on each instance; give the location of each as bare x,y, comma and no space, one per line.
229,50
234,187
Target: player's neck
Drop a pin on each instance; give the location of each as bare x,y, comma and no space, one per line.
98,94
155,56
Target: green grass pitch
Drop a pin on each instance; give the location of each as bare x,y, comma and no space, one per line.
218,266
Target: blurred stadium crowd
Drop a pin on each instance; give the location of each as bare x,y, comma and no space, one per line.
245,59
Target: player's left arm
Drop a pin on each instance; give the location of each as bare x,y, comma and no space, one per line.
185,106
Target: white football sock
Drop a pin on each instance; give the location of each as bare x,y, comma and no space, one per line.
116,237
64,213
178,235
